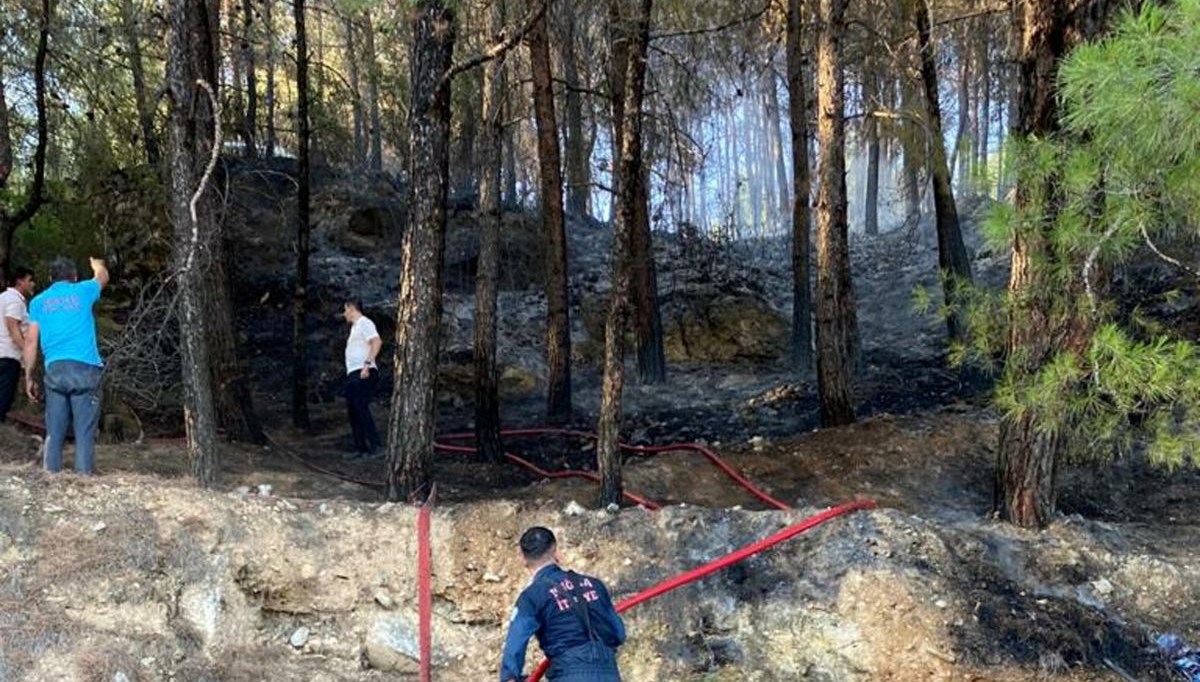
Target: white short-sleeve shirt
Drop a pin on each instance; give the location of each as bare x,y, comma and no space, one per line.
358,346
12,306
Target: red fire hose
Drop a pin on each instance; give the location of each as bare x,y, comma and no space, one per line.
425,589
727,560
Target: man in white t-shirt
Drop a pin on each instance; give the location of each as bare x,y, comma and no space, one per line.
15,312
362,376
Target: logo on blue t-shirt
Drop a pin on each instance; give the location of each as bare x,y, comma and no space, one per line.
66,325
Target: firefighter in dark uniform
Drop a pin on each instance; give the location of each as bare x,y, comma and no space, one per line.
572,615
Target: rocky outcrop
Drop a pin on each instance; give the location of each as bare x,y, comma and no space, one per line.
162,581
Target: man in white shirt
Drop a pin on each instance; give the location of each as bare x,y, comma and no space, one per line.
15,312
362,376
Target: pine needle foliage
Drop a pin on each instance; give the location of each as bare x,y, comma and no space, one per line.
1123,173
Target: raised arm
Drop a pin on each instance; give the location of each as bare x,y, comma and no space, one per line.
99,271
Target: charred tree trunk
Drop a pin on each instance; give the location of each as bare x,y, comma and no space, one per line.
487,277
9,222
558,325
250,120
233,51
419,314
914,143
130,28
234,403
269,95
962,147
837,325
578,163
375,160
356,103
634,42
798,110
647,327
871,133
777,152
300,287
953,262
192,44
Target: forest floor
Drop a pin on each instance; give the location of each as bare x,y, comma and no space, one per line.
927,587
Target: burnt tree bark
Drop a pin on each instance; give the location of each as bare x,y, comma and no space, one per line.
356,102
233,399
635,41
647,323
419,314
131,32
375,159
269,94
558,325
192,46
837,324
300,418
1032,443
487,277
250,117
798,111
577,157
953,261
871,133
9,222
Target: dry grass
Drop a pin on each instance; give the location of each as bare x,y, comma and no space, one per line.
75,551
104,663
28,626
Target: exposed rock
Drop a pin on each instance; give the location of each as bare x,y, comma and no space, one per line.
299,638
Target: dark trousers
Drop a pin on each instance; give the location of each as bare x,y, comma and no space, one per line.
589,662
10,377
359,392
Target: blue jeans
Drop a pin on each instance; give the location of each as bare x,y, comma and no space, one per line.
72,395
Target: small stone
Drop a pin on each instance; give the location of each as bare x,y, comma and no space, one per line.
941,603
758,443
612,508
385,600
324,508
120,677
574,509
264,489
147,661
99,527
491,578
1102,587
299,638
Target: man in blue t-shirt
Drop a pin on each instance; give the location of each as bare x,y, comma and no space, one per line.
572,615
62,324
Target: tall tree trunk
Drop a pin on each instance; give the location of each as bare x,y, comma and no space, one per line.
250,121
985,121
914,143
466,179
962,150
837,324
356,102
1032,442
953,262
419,313
487,277
634,42
798,109
9,222
233,399
871,133
130,28
233,50
192,47
269,95
777,152
558,324
373,77
578,159
300,287
652,366
508,177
